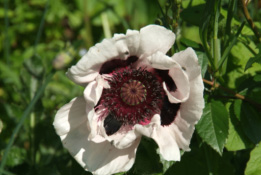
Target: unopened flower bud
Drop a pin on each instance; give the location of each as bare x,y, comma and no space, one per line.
61,60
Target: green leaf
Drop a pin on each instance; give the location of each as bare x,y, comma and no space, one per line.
254,164
147,160
251,61
257,77
192,14
236,62
16,156
250,120
251,88
203,62
9,75
201,161
194,159
166,164
190,43
237,140
213,126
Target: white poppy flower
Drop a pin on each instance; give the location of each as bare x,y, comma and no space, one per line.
132,89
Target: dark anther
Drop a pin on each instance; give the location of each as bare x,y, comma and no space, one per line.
148,110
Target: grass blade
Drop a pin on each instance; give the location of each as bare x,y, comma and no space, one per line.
24,116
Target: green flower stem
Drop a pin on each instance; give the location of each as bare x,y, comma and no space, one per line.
207,49
165,18
216,51
6,36
40,30
88,27
32,138
33,90
21,122
204,37
176,14
230,14
216,42
106,25
229,47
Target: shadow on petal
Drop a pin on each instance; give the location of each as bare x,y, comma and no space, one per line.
99,158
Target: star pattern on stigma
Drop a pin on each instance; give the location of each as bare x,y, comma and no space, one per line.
133,92
134,96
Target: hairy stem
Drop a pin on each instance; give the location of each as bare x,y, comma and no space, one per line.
239,96
250,21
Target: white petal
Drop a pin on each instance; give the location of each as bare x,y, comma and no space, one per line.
155,38
127,139
183,132
151,39
93,90
100,158
167,144
182,83
164,137
88,67
92,94
189,114
128,44
121,45
189,62
62,123
161,61
191,110
133,42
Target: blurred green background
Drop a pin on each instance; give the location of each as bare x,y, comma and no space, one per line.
41,38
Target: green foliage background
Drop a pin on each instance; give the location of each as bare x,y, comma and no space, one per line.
40,39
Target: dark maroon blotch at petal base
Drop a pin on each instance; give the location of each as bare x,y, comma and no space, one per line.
114,64
164,75
168,112
111,124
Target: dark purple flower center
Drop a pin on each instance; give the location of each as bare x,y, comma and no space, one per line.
135,96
